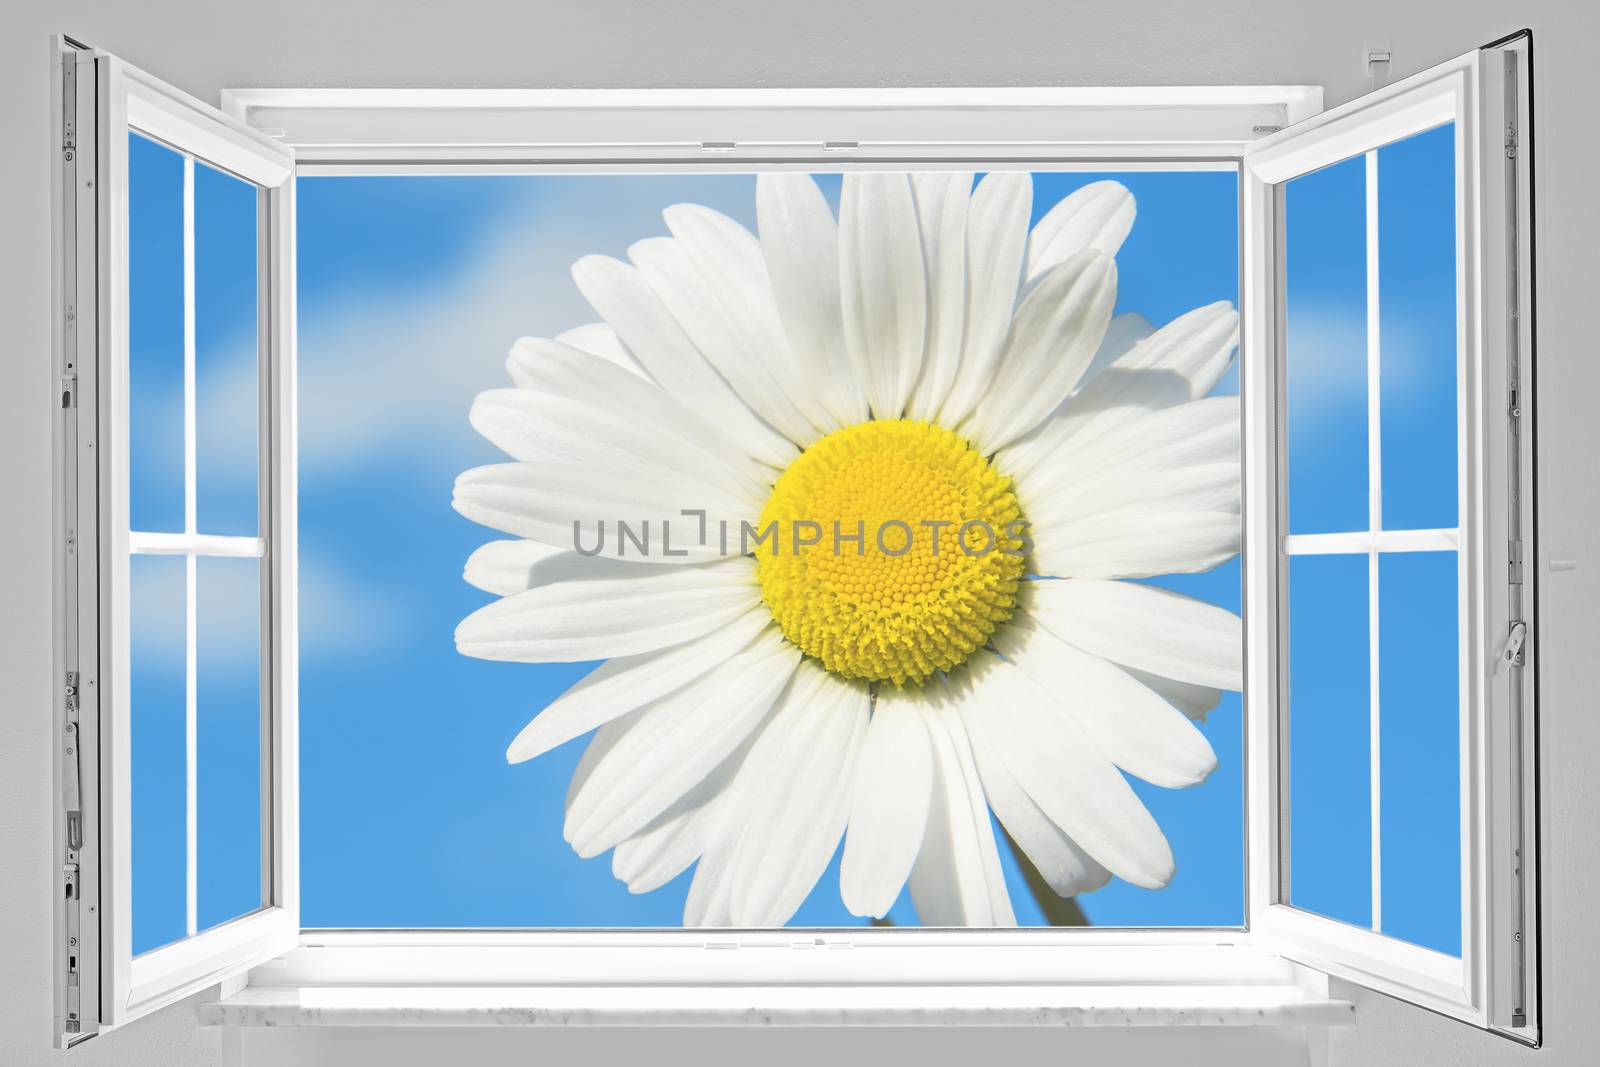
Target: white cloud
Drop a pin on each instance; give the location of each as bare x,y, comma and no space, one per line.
1327,357
388,380
338,617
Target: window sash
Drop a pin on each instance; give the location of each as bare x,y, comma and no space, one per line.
1497,950
100,983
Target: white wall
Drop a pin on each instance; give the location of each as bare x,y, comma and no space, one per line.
205,45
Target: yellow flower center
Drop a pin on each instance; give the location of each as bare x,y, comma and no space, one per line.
892,550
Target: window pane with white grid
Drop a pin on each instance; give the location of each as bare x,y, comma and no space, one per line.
1373,397
195,575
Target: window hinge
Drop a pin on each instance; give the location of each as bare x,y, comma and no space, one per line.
1514,567
69,134
1379,60
1511,651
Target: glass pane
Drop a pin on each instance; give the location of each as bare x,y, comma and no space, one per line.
412,289
1330,798
1325,295
1417,315
155,336
157,706
228,738
226,368
1419,700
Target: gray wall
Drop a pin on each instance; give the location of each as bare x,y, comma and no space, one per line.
206,45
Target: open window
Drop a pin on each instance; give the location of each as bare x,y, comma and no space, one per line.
1380,753
1389,293
175,568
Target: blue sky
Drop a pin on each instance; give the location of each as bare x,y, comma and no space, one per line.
411,290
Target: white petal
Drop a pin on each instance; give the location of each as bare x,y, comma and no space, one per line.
730,260
623,683
957,880
576,505
597,618
596,338
710,890
1195,701
1076,786
625,300
894,780
1125,331
883,287
1054,335
710,900
729,339
603,741
507,567
1185,457
1144,627
677,741
794,821
674,839
574,407
601,340
1068,869
1128,722
1136,544
1207,488
997,238
800,242
1098,216
1180,362
942,200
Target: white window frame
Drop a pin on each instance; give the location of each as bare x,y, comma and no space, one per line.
1494,983
101,983
400,131
365,976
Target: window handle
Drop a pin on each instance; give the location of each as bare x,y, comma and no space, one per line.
1511,651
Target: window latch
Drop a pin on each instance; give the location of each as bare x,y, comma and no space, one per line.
1511,652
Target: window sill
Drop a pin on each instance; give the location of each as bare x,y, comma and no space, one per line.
378,981
834,1006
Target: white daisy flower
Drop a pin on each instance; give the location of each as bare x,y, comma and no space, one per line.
924,360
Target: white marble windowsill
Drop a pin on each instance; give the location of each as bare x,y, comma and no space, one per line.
659,1006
